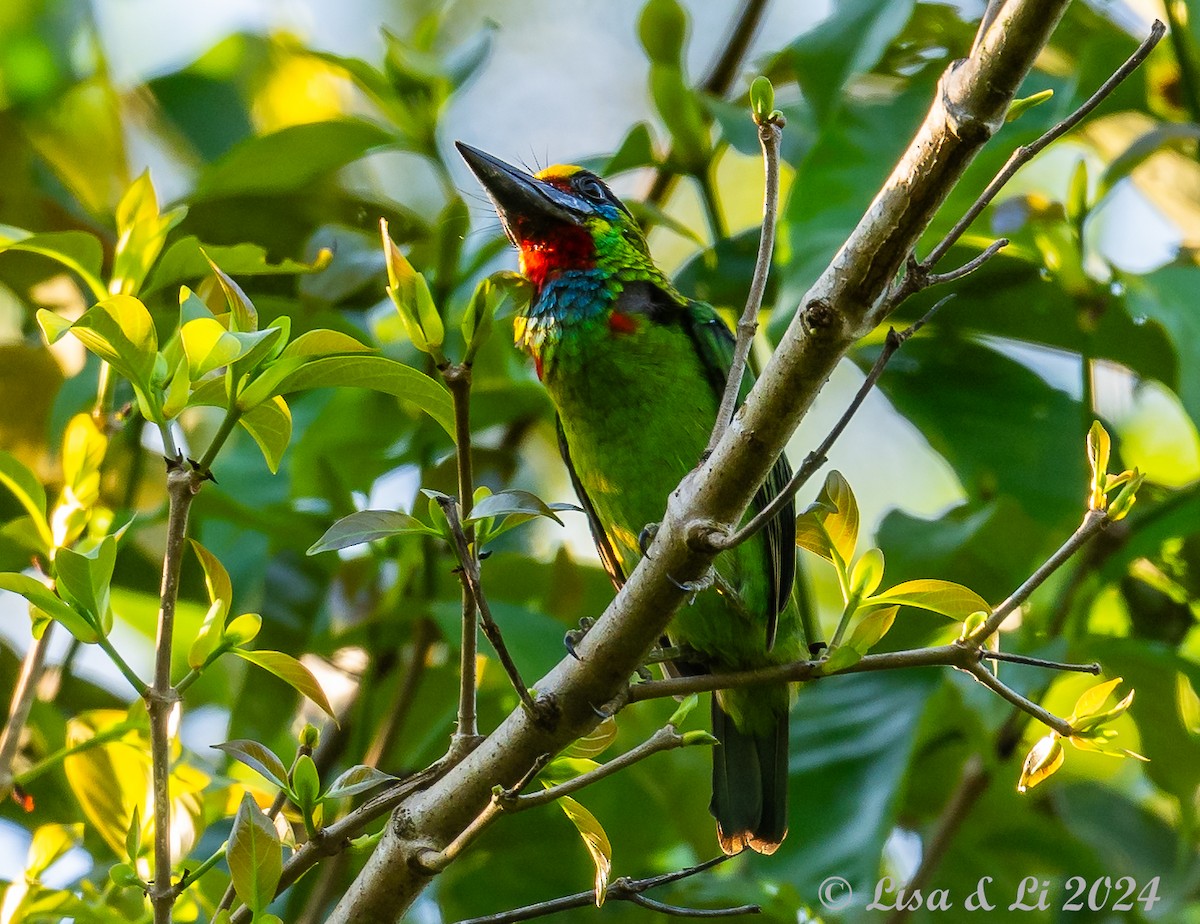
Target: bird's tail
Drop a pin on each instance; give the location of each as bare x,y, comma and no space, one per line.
750,770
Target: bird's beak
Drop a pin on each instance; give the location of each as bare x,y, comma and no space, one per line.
521,199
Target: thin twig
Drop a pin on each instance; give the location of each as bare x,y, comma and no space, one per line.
665,739
22,701
819,456
424,635
161,698
1092,668
1047,718
1093,522
623,889
769,134
469,573
458,380
1024,154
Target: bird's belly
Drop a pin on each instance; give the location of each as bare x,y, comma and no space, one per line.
637,413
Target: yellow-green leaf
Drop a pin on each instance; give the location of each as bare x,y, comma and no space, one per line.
1043,759
944,597
255,856
1099,447
270,424
112,780
594,839
51,604
120,331
28,491
868,572
291,672
49,843
208,346
245,316
595,742
873,627
1092,700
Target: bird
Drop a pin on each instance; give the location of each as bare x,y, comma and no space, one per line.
635,372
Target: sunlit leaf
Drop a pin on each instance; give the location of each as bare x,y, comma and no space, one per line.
78,251
255,856
291,672
270,424
51,604
112,780
259,758
944,597
512,502
871,628
368,526
245,315
595,742
1043,759
50,842
594,839
28,491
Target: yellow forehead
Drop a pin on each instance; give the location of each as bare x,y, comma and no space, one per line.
558,172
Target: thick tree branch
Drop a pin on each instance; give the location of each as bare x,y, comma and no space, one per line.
973,97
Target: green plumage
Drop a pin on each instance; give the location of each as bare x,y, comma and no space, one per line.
635,372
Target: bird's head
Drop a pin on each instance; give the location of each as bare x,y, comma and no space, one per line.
563,218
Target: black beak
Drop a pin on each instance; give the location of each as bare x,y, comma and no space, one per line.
521,199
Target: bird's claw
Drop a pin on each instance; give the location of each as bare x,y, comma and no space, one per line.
572,639
646,537
694,587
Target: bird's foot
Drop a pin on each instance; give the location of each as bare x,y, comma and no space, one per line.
646,537
707,580
572,639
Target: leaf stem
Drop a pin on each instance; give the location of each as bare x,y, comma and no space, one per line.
232,415
122,665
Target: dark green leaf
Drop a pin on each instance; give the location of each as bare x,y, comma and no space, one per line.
255,856
356,780
367,526
259,758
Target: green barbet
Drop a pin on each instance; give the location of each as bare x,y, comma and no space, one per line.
636,372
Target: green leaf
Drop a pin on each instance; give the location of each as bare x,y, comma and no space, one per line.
512,502
367,526
637,150
662,28
1077,194
208,346
216,578
141,232
259,758
831,524
594,839
270,424
292,158
944,597
1023,105
83,580
245,315
291,672
873,627
49,603
243,629
78,251
868,572
679,108
316,343
356,780
595,742
375,372
120,331
762,98
255,856
50,843
306,784
849,42
840,658
133,837
185,260
683,710
28,491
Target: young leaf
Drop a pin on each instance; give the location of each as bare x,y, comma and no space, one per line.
259,758
357,780
595,742
216,578
944,597
1099,446
367,526
270,424
512,502
255,856
831,523
840,658
1043,760
50,842
291,672
306,784
242,630
245,316
49,603
762,98
873,627
28,491
120,331
133,838
868,572
594,839
83,580
314,343
208,346
1020,106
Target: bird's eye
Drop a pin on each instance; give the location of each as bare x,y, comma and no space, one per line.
589,187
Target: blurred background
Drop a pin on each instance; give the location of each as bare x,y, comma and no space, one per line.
287,128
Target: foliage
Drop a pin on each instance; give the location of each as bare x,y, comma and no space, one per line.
256,327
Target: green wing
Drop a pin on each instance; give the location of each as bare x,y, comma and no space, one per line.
608,557
714,344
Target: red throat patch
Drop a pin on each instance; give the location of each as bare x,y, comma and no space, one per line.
570,247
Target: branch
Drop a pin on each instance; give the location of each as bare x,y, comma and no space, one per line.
468,566
819,456
1023,155
23,696
458,380
974,96
161,698
665,739
769,134
623,889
